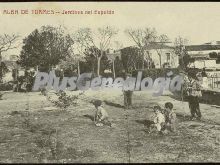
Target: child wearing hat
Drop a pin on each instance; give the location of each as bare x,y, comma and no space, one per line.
101,115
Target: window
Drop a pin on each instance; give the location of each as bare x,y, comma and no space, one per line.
168,57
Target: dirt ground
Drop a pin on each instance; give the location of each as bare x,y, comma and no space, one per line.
33,130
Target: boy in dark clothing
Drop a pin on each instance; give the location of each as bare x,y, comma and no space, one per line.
170,117
127,96
194,92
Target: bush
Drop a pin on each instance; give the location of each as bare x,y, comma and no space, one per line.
64,101
155,73
218,60
6,86
193,71
1,95
213,55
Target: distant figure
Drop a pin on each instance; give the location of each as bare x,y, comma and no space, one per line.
127,96
170,117
159,120
152,65
101,115
204,73
194,92
204,76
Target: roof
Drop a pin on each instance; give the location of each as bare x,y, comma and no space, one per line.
201,58
158,46
152,46
202,47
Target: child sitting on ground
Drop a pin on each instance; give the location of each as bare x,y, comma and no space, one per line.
170,117
159,120
101,115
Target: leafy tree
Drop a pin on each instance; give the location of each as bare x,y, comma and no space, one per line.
213,55
3,69
131,59
45,47
216,56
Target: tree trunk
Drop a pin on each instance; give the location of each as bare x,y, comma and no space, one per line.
78,68
142,54
98,65
0,57
143,61
49,68
1,72
160,59
113,65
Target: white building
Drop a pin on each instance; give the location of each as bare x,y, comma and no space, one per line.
162,55
201,55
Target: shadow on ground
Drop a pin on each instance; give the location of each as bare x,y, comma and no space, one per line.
146,123
113,104
89,117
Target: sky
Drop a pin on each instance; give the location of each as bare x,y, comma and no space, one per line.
197,21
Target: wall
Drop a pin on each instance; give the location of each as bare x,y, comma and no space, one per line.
205,63
206,52
174,59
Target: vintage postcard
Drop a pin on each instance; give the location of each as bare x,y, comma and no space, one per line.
109,82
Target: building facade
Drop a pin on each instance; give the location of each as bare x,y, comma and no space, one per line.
201,55
162,55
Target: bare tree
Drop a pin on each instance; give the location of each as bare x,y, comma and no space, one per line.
142,38
83,42
180,43
161,41
74,58
7,42
96,43
180,50
116,46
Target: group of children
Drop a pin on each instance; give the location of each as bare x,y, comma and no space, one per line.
164,119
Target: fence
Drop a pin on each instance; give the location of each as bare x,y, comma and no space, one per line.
214,81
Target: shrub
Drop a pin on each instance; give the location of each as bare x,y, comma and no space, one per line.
218,60
213,55
155,73
64,101
1,96
6,86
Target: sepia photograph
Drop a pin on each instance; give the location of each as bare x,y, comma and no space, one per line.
109,82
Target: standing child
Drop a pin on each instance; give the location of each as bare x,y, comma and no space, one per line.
159,120
194,93
127,96
101,115
170,117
